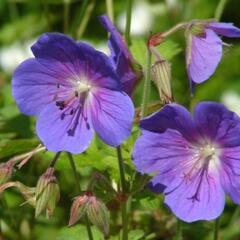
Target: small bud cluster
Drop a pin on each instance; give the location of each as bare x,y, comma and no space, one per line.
47,193
89,206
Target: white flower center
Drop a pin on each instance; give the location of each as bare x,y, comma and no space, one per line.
82,86
208,155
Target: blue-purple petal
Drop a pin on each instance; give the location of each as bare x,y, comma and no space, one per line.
112,115
121,57
203,55
230,172
61,53
171,116
61,131
216,122
225,29
200,197
33,86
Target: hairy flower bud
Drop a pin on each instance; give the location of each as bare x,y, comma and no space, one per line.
94,209
47,193
98,214
78,209
161,72
6,170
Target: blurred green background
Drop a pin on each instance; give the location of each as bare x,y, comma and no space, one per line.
21,23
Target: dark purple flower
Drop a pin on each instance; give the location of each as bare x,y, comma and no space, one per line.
73,90
196,158
122,59
204,48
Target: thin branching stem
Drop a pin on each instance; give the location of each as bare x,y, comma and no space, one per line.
54,160
124,192
147,83
128,22
216,229
77,180
220,8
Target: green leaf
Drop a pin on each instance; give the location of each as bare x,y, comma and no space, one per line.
9,148
136,234
78,232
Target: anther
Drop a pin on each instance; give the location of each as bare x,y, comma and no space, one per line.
60,104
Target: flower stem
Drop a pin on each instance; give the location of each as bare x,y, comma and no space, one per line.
74,169
54,160
128,22
85,19
123,189
235,215
66,8
73,166
110,12
146,87
179,230
47,14
174,29
219,10
216,228
89,231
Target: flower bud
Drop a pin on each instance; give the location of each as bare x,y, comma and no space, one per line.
98,214
47,193
78,209
161,72
6,170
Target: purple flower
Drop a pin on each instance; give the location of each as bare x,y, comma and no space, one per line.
196,158
204,48
122,59
73,90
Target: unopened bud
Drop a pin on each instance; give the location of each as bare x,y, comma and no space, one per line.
98,214
161,72
47,193
6,170
78,209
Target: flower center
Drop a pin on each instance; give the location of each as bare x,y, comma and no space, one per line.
207,151
208,155
81,87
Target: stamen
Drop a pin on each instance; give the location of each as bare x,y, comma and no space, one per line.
60,104
63,116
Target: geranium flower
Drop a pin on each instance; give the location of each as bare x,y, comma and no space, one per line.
196,158
128,70
204,48
74,90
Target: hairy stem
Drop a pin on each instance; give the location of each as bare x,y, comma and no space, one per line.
74,169
123,189
54,160
174,29
179,230
219,10
110,11
128,22
216,228
147,84
85,19
66,8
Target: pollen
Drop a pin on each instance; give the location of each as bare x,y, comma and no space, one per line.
208,154
82,86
